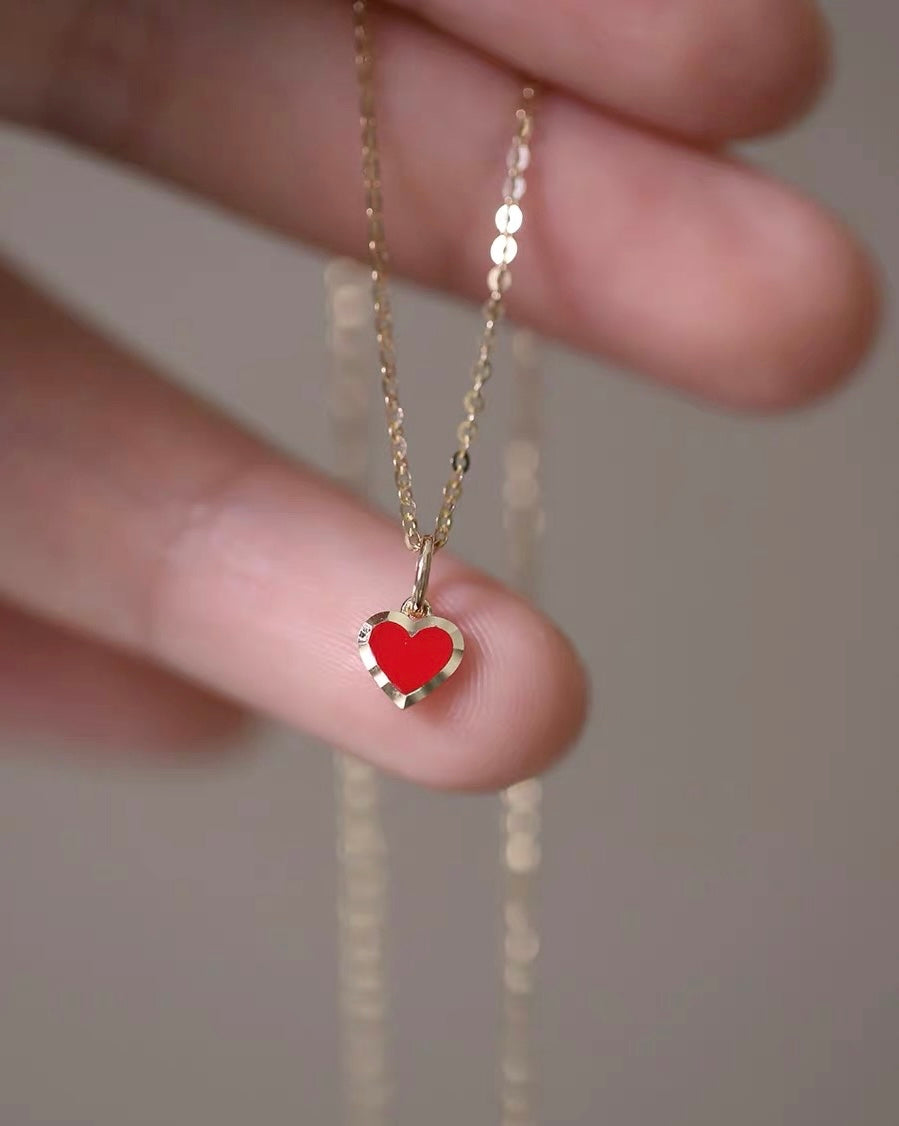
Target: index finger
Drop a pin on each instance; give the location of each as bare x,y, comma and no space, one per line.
132,513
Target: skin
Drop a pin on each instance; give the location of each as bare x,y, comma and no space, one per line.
163,573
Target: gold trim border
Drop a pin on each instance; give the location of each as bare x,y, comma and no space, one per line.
412,626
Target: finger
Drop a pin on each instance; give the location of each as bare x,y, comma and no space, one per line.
667,260
133,513
55,683
700,68
697,67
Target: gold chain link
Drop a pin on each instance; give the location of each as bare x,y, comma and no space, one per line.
503,250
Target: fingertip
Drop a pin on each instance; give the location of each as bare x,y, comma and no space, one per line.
811,317
768,61
808,69
519,701
843,308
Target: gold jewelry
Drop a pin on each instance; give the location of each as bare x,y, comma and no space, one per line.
410,652
363,867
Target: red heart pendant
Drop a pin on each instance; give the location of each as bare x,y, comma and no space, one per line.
409,657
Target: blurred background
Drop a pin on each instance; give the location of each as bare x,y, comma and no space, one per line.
719,908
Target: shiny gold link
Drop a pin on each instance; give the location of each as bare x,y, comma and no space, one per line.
498,280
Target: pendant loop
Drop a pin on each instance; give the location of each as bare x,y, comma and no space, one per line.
417,603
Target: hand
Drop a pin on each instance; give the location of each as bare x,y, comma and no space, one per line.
140,522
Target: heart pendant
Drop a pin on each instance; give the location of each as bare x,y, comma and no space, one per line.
409,656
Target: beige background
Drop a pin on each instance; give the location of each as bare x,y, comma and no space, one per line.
720,915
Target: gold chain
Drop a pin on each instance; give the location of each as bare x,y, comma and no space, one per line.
363,867
509,218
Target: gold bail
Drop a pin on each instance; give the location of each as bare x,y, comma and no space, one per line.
417,603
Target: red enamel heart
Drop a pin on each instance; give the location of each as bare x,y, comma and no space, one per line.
410,660
409,657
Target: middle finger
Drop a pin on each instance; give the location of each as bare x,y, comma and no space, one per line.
668,260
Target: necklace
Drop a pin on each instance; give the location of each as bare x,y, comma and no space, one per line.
409,652
363,861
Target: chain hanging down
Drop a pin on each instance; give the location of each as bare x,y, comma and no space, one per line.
509,219
410,652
